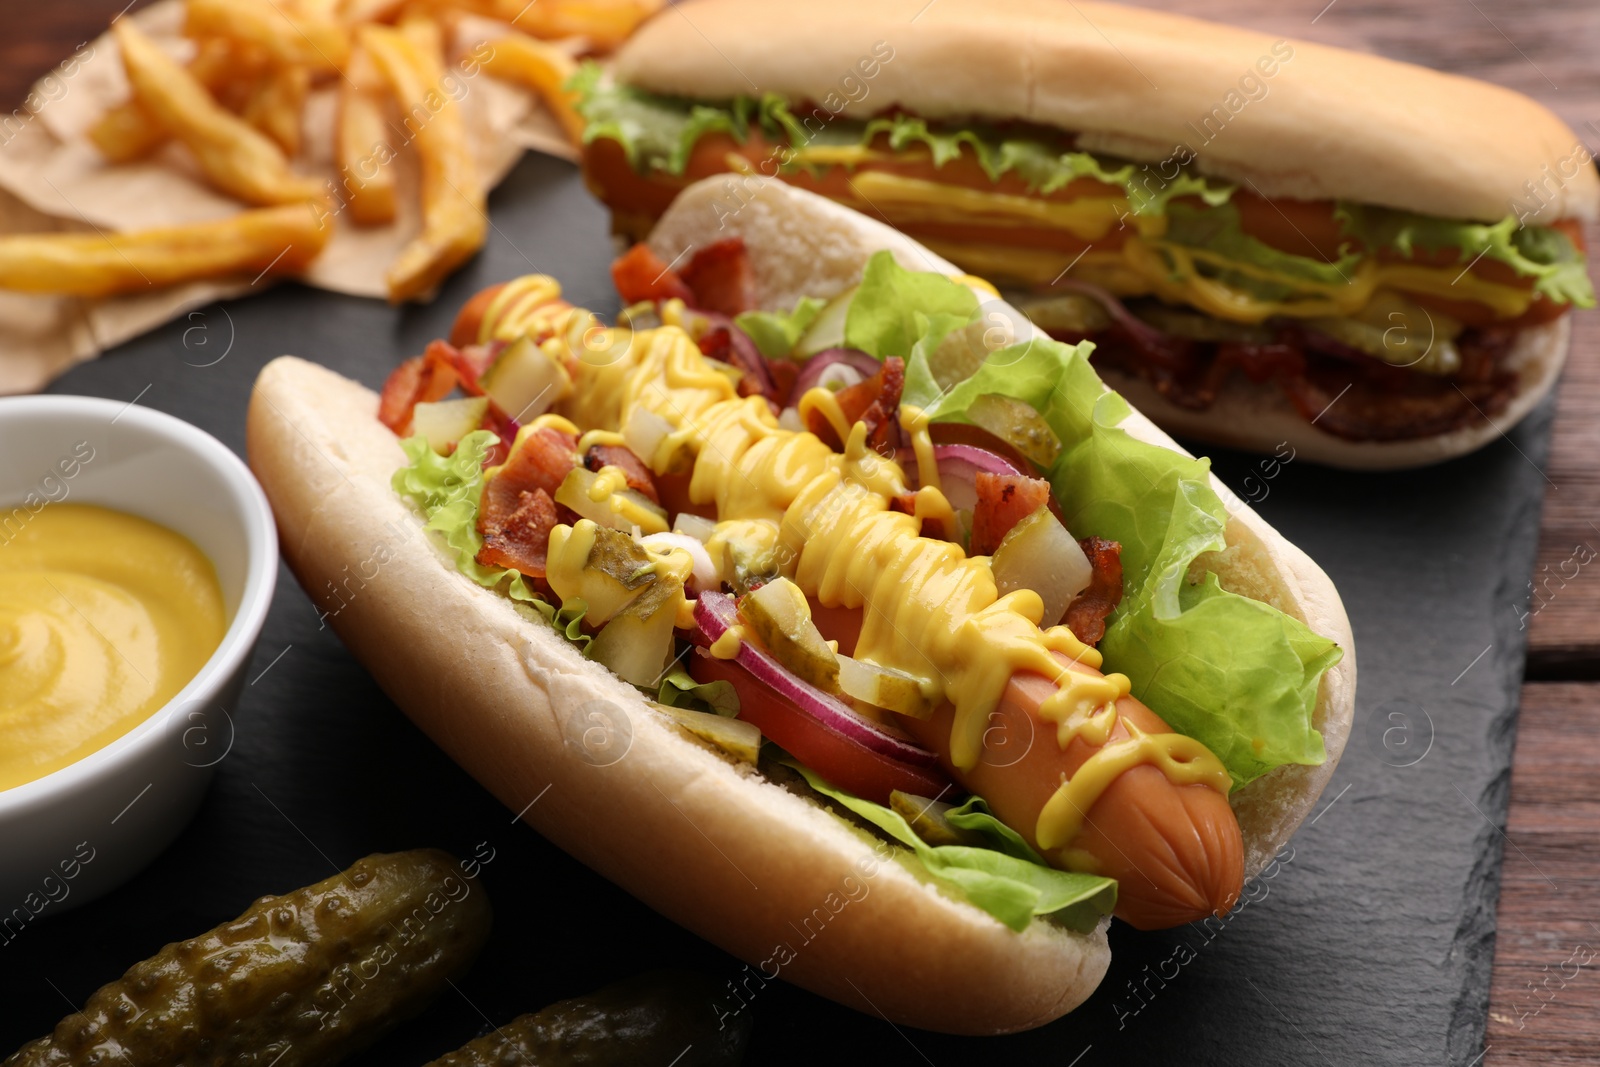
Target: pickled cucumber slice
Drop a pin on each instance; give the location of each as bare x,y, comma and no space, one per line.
299,980
780,617
663,1017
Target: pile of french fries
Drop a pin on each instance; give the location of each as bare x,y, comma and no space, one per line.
236,109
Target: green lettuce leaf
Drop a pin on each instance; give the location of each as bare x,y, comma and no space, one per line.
660,132
975,817
1042,165
1238,675
1013,889
891,310
1547,255
1217,230
446,490
777,332
679,690
655,132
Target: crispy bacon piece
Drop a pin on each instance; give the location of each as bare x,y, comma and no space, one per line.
1371,400
632,467
518,539
784,374
726,342
640,275
1086,615
420,379
937,529
1003,501
875,401
539,464
431,376
720,277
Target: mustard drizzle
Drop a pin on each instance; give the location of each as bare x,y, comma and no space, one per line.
823,519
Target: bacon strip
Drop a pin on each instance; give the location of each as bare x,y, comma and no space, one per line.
431,376
937,529
1376,401
518,539
1003,501
720,277
632,467
539,464
420,379
875,401
639,275
1086,615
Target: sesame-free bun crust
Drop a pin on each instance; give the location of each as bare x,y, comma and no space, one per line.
730,855
1332,124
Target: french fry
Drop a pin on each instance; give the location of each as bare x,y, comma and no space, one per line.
128,131
356,12
276,103
233,155
454,222
361,144
518,58
292,38
283,239
606,23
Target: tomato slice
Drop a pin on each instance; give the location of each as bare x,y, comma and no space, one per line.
842,761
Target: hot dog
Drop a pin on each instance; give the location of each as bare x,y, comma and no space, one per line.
653,490
1279,224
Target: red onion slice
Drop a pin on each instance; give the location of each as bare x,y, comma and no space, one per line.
738,349
959,466
714,612
811,370
1140,331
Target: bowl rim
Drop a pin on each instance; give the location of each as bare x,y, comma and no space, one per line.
238,641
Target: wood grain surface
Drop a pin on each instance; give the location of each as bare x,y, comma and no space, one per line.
1545,1000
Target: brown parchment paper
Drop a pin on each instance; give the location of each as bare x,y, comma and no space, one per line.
52,179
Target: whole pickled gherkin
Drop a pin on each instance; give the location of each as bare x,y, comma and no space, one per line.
299,980
661,1017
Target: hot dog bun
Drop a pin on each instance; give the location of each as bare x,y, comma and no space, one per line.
728,854
1134,83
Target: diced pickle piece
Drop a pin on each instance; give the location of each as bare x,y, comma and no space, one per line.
603,496
1066,313
827,329
926,816
525,382
637,643
780,617
300,980
1018,424
663,1017
736,738
883,687
1400,333
614,570
446,422
1040,554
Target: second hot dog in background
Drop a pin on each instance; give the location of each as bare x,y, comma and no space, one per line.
1250,227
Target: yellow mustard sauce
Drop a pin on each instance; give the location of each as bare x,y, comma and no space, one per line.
104,616
788,503
1149,263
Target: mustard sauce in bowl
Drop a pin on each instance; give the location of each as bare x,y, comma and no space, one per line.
104,617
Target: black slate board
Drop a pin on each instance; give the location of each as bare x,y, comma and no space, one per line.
1371,944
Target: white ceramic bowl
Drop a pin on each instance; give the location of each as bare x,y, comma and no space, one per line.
81,831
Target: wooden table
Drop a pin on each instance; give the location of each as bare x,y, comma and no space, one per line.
1545,1000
